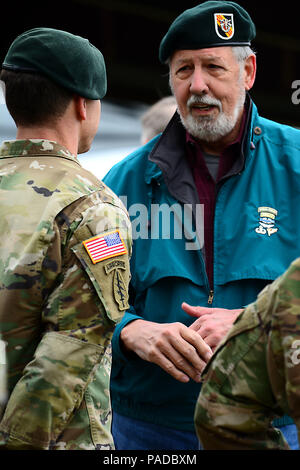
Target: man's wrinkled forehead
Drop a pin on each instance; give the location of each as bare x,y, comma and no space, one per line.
219,55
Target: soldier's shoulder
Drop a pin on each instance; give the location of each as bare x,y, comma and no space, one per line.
293,272
100,211
289,286
103,199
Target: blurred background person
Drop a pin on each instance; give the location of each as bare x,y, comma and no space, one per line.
155,119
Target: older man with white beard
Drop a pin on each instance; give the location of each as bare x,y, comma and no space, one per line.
219,154
216,78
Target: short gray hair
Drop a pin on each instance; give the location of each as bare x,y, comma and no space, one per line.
242,53
156,118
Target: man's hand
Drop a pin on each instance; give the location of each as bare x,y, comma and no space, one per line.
177,349
212,323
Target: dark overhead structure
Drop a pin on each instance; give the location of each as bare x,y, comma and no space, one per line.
128,32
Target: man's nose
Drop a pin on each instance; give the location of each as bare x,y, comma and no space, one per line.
198,83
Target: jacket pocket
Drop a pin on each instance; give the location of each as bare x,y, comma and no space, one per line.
54,381
154,260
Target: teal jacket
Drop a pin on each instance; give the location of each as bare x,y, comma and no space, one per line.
256,237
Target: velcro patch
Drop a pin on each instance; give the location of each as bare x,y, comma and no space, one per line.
105,246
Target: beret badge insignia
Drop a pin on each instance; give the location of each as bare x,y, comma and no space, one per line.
224,24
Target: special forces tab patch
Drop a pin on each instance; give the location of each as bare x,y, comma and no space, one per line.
224,24
119,287
105,246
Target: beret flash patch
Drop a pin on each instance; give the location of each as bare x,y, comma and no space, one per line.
224,24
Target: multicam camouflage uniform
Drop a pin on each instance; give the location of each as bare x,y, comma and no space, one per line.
58,309
3,376
3,383
254,375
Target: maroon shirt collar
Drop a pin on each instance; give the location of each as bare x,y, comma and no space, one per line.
206,186
227,159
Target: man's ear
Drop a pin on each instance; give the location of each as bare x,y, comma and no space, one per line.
80,105
250,72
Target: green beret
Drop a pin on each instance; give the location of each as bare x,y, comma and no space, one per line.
210,24
70,61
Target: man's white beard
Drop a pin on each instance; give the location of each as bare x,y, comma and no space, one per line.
210,128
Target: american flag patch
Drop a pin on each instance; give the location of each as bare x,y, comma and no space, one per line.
105,246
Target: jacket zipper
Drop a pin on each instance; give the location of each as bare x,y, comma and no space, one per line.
210,297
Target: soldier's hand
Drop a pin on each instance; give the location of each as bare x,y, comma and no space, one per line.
177,349
212,324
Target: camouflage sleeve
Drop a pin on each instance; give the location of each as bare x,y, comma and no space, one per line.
236,405
62,399
283,354
3,378
3,383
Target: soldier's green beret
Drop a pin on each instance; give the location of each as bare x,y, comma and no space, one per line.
70,61
210,24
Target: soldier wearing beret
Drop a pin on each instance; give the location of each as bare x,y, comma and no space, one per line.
64,249
253,377
217,151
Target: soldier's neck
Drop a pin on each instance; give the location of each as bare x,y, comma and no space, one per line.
57,135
